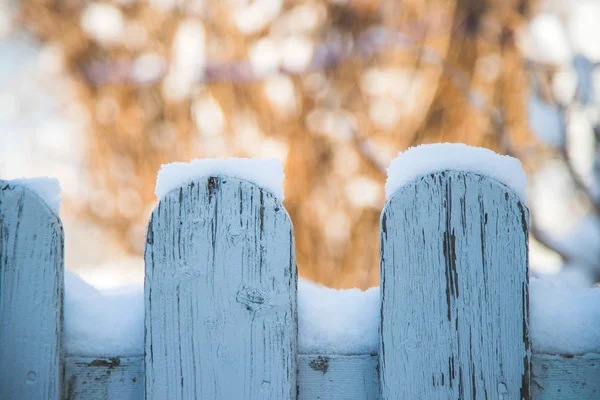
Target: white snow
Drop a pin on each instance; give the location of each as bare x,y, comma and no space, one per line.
47,188
103,322
426,159
564,316
266,173
334,321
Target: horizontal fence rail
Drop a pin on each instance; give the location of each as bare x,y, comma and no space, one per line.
349,377
221,319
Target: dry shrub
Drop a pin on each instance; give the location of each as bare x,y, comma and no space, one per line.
319,120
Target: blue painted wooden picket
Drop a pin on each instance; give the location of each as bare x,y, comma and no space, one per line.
454,290
220,291
31,296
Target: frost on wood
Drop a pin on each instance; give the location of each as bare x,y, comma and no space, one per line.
454,309
220,294
31,294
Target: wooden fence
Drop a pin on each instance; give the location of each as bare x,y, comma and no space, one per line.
221,315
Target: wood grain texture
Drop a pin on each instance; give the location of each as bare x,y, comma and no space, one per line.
330,377
90,378
337,377
220,288
31,296
454,312
562,377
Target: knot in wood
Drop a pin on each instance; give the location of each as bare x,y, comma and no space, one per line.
320,364
253,299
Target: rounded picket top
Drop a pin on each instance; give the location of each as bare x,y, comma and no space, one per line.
31,295
454,290
20,191
220,290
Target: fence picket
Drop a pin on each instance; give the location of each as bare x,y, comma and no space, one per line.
220,292
454,290
31,296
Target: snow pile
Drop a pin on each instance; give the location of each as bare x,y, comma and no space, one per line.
564,317
334,321
266,173
47,188
426,159
103,323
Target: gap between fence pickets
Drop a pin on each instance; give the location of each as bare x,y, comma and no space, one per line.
328,376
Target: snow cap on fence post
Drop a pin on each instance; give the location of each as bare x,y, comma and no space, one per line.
454,285
220,286
31,294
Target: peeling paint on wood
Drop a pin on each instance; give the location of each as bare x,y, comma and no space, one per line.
117,378
220,292
454,308
31,296
348,377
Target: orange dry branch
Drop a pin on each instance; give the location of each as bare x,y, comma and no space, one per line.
392,94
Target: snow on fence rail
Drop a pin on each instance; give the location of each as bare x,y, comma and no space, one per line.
221,313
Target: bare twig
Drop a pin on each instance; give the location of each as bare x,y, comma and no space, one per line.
365,148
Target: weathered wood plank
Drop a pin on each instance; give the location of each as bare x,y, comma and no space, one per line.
31,296
454,290
560,377
91,378
333,377
220,292
345,377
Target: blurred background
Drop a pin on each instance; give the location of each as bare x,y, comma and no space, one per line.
100,93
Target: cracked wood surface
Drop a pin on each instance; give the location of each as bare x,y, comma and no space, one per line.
346,377
118,378
454,308
220,292
31,296
337,377
566,377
